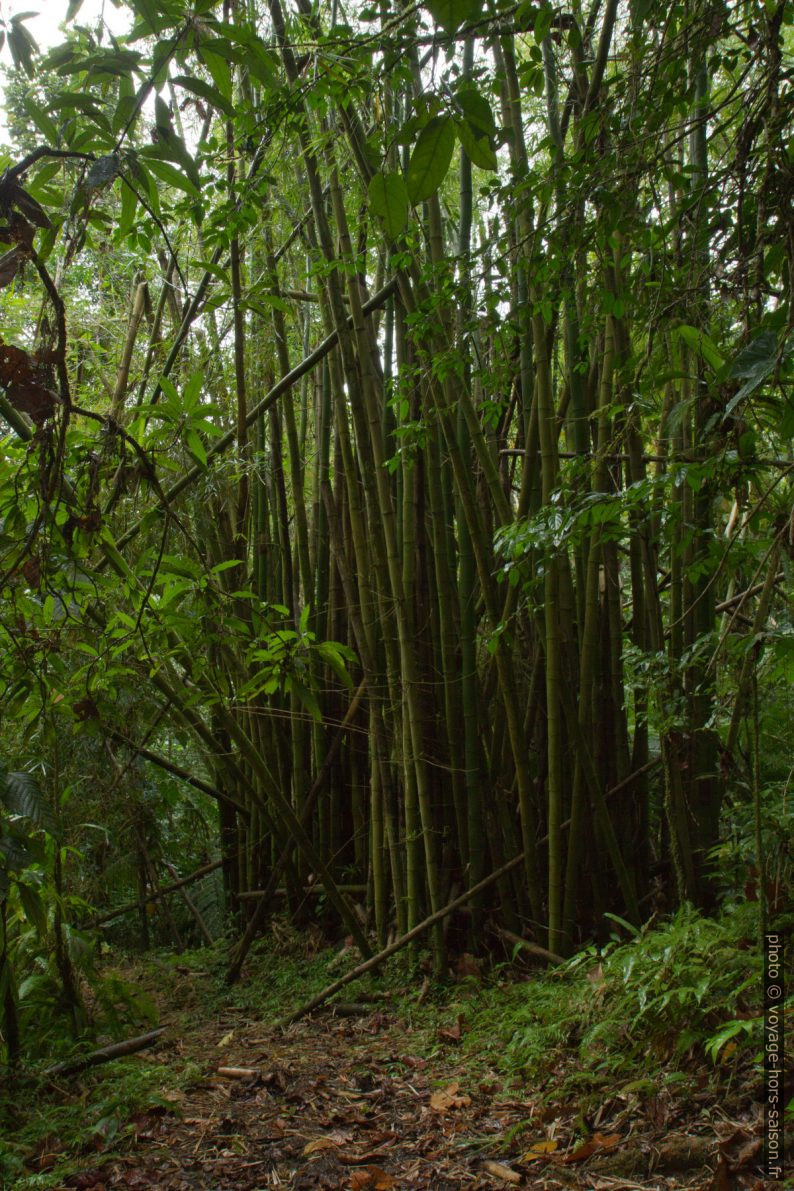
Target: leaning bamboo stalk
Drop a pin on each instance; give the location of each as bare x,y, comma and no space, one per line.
183,775
279,388
193,908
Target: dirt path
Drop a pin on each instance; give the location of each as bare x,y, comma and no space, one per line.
350,1103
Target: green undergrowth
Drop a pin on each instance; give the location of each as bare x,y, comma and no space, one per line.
675,1006
55,1126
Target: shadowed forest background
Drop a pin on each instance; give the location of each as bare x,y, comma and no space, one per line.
395,482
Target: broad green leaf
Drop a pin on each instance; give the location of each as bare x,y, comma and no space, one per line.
431,158
43,122
543,23
249,50
154,16
212,95
216,270
476,109
388,198
754,364
162,115
196,446
127,107
144,184
77,101
451,14
172,397
73,9
191,392
169,173
477,145
171,147
16,854
129,204
21,45
33,907
787,421
698,341
37,186
218,67
306,696
23,796
113,62
333,656
161,57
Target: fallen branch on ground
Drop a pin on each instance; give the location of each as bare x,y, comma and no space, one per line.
532,948
116,1050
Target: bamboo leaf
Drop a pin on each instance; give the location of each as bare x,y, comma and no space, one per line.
211,94
129,205
543,23
332,655
170,174
154,17
41,119
21,44
477,110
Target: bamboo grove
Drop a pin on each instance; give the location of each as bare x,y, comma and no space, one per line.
398,411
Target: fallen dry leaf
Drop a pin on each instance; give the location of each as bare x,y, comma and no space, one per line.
359,1179
358,1159
722,1180
381,1180
319,1143
498,1171
748,1152
226,1039
453,1033
598,1142
541,1149
468,965
446,1098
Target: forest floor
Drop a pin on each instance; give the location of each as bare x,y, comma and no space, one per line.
367,1096
352,1102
